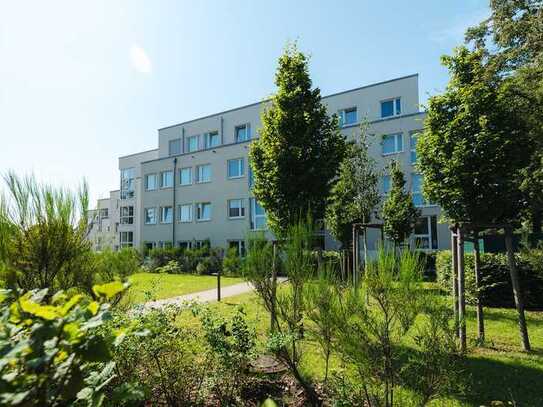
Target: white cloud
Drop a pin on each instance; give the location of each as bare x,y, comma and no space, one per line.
140,60
455,32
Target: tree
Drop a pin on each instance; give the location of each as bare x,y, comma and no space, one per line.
399,213
473,149
355,194
512,41
297,156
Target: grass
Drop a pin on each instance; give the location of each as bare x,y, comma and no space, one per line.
499,370
152,286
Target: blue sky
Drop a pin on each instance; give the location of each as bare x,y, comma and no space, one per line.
83,82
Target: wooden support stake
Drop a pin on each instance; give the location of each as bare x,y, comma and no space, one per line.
461,291
517,293
454,278
273,287
477,270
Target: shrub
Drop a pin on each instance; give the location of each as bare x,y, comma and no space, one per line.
231,264
54,353
111,265
495,287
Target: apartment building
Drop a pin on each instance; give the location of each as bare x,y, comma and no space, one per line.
196,186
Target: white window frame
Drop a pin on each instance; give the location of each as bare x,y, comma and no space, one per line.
254,216
198,179
161,180
126,242
413,136
126,219
241,208
147,176
383,182
414,192
241,168
181,176
240,246
343,113
395,111
128,177
188,243
247,127
397,136
428,236
145,212
207,139
200,210
180,212
179,143
162,217
188,140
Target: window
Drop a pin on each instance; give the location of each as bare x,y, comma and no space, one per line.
148,246
127,215
127,183
258,216
425,233
200,244
413,147
185,213
166,179
236,208
250,178
203,173
192,144
211,139
150,216
166,214
386,184
416,191
392,143
348,117
239,245
391,107
235,168
126,239
185,244
185,176
165,245
242,133
104,213
203,211
174,146
151,182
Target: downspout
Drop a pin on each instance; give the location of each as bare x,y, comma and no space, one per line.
173,207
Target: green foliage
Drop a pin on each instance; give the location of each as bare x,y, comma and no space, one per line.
204,260
168,364
354,194
474,145
296,158
53,353
495,286
231,264
399,213
43,234
232,344
110,265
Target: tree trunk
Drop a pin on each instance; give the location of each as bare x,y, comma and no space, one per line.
273,288
454,278
461,292
517,293
477,269
536,226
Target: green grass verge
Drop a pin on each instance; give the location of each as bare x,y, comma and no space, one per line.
499,370
152,286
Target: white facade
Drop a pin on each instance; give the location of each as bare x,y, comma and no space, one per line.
195,186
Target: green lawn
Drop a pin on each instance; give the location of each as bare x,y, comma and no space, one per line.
499,370
152,286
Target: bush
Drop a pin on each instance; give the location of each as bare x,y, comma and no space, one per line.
231,264
111,265
204,260
54,353
496,290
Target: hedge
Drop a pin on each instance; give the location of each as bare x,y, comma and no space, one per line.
496,290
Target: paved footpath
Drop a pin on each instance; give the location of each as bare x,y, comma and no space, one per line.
206,296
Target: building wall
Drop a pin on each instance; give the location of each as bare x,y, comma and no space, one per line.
221,229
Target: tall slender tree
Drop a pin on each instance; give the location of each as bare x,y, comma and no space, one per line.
355,194
399,213
297,156
473,149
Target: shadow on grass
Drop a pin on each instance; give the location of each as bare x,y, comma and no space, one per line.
495,380
502,315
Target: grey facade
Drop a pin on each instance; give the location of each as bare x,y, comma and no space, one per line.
195,186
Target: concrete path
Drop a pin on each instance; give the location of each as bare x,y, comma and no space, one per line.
205,296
